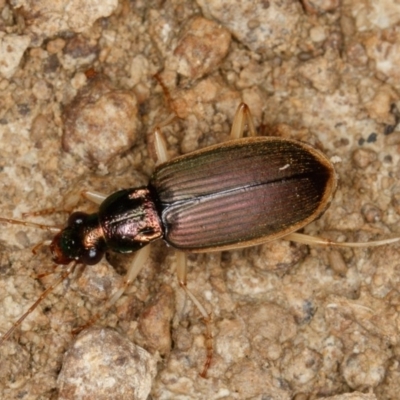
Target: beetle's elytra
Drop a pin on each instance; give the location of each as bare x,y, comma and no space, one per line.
241,193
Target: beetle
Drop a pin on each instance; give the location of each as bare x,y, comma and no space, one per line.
240,193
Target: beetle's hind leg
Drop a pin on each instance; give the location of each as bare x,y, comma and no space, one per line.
182,277
315,240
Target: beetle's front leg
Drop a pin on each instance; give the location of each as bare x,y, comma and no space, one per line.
70,203
139,261
158,144
94,197
242,117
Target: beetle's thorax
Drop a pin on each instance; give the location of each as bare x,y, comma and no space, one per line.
129,219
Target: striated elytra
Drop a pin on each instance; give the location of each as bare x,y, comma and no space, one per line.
242,193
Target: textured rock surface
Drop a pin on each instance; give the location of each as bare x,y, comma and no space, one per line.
289,321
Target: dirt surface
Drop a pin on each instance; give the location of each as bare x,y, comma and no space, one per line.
82,89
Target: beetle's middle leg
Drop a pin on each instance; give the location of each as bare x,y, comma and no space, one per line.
242,119
181,271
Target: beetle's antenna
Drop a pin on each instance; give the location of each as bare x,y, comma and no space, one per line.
50,228
37,302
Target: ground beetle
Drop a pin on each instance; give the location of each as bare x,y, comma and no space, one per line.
244,192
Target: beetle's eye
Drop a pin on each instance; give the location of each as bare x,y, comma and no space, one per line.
92,256
77,218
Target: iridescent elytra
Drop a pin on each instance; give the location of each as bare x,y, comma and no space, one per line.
241,193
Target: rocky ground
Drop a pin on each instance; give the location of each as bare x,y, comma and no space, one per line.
83,87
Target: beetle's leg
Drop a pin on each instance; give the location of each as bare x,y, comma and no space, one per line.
156,143
181,271
242,117
138,263
70,200
160,146
313,240
39,245
94,197
69,205
16,324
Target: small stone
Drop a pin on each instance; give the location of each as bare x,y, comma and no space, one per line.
365,369
47,18
380,107
201,48
300,366
322,73
364,157
321,6
42,90
100,123
317,34
104,365
12,48
371,213
55,46
266,27
155,321
374,14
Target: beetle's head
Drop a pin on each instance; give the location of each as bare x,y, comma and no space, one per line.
81,240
